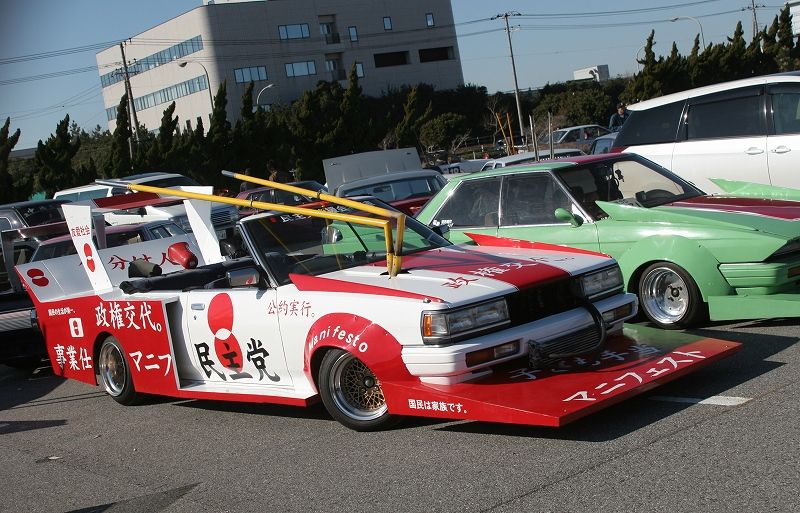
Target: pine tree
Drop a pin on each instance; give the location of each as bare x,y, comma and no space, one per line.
119,163
7,191
54,160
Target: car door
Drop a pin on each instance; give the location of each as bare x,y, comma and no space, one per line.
234,338
528,204
723,135
473,206
783,141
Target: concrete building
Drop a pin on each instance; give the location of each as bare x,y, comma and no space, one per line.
285,47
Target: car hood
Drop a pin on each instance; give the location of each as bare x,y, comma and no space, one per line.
458,274
770,217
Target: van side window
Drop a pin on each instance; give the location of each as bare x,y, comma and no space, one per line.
651,126
727,117
785,108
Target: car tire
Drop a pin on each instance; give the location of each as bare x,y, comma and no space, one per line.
669,297
352,394
115,373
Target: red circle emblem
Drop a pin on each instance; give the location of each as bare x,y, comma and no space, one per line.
87,250
220,322
37,277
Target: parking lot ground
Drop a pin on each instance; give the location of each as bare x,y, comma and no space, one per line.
66,447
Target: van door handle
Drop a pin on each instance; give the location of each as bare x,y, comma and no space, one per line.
753,150
198,306
781,149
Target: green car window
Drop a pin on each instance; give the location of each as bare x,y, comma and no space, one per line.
472,203
531,198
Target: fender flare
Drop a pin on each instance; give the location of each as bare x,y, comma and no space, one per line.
689,254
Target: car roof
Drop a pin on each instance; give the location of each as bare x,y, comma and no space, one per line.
301,183
510,159
33,203
792,76
547,165
390,177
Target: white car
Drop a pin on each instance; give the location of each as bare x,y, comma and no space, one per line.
528,157
745,130
377,315
104,190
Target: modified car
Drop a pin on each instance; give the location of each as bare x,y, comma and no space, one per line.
351,303
687,255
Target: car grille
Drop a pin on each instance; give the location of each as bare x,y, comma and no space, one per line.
578,342
539,302
222,217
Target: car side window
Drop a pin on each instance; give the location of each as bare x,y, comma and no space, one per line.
530,199
5,224
785,108
726,116
472,203
651,126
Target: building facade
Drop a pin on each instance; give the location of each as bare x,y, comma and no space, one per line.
285,47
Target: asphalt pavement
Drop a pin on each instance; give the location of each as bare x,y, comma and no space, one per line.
726,438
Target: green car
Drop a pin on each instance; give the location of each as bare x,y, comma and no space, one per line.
687,255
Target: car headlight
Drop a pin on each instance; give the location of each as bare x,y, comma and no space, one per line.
601,283
442,327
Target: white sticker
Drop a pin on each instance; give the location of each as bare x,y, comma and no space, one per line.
75,327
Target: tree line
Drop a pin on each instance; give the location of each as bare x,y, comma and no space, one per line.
332,120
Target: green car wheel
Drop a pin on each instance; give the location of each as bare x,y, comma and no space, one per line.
669,297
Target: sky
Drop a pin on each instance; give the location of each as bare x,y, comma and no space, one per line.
549,43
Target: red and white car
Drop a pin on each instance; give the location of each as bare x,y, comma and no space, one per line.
375,314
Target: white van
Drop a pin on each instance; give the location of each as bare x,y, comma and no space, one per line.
746,130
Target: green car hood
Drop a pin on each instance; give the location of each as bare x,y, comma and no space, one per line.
756,190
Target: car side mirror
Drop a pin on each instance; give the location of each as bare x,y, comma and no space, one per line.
331,234
566,216
442,230
245,277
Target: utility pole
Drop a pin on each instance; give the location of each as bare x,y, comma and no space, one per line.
755,20
505,16
129,91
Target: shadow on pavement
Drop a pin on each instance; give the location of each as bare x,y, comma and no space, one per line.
25,385
152,503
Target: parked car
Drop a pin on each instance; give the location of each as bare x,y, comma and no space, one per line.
273,195
603,144
374,326
22,226
683,252
581,136
747,130
404,190
528,157
103,190
119,235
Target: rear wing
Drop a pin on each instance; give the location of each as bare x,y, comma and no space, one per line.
393,258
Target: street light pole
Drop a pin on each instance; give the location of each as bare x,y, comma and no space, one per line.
702,38
208,81
505,16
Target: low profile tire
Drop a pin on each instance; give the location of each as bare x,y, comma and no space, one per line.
115,374
669,297
352,394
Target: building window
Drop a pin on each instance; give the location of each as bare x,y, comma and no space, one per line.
300,69
387,23
429,20
155,60
331,65
353,33
166,95
444,53
383,60
298,31
360,70
253,74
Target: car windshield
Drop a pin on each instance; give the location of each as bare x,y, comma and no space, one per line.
299,244
629,180
35,215
172,181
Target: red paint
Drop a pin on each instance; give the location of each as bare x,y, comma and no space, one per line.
135,200
220,322
491,240
87,251
308,283
37,277
519,272
541,401
779,209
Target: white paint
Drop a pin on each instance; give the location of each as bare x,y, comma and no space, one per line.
716,400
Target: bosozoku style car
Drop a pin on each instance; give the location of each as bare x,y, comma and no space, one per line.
375,314
686,254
